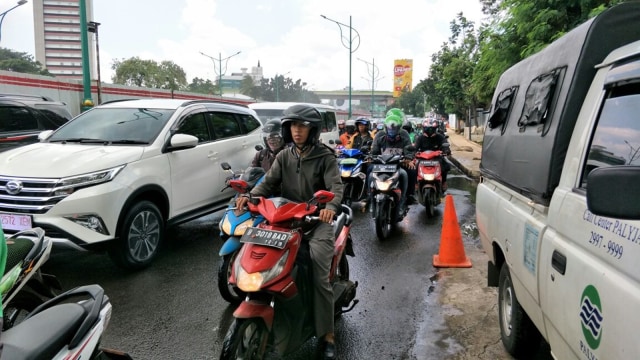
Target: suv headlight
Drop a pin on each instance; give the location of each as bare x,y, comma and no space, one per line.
68,185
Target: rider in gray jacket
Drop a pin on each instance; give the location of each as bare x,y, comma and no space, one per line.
298,172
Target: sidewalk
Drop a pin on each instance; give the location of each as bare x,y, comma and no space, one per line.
465,154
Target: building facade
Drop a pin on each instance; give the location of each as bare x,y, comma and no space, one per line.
58,44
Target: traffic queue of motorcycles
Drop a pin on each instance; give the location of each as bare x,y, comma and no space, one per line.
263,268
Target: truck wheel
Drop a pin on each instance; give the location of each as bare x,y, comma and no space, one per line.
140,237
519,334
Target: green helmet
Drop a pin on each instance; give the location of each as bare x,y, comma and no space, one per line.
397,112
392,124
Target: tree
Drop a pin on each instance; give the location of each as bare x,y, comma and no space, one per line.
202,86
20,62
521,28
249,88
148,73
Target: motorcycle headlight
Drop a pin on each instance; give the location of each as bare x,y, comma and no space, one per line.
384,185
253,282
345,173
429,177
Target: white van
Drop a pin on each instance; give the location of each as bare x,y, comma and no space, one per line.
274,110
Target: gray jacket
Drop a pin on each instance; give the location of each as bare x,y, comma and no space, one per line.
299,178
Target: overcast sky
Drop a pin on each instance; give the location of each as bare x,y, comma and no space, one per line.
284,35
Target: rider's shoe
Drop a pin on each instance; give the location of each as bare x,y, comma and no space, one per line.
411,199
329,350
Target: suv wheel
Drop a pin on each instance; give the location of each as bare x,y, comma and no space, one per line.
140,237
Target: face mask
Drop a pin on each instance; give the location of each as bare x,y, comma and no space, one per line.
392,132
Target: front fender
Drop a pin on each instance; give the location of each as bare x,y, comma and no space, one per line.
231,245
253,309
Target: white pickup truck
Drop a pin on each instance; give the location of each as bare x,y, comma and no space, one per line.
558,205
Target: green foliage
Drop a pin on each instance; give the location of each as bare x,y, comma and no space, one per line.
148,73
202,86
280,88
20,62
466,69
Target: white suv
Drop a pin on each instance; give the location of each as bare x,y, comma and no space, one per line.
115,176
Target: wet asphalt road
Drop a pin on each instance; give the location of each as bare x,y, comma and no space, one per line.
172,310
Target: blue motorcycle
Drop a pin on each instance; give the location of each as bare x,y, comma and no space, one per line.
354,177
233,226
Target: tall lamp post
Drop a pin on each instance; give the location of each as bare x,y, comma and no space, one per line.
373,70
350,40
92,27
219,71
20,3
278,84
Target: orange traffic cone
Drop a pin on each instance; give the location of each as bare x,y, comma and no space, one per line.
451,248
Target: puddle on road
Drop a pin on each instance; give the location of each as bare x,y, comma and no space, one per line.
433,338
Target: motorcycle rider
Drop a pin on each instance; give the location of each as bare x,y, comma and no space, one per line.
341,127
432,139
408,127
273,143
363,135
395,140
347,137
306,167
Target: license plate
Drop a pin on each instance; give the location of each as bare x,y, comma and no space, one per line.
276,239
384,167
428,163
15,221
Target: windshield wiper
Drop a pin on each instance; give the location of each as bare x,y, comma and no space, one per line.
80,140
125,141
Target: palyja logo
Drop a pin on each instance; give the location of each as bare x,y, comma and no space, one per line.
591,316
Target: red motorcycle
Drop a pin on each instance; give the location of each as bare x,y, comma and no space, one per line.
273,268
430,189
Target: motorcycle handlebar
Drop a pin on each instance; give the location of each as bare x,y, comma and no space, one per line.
310,218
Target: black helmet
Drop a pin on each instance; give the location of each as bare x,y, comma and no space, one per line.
306,114
364,121
251,175
271,134
408,126
429,128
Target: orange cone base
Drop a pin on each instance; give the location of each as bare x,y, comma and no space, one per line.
462,263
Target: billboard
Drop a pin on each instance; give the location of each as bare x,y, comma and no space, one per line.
402,76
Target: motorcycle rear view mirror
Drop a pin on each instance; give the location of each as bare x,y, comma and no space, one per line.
225,166
259,147
323,196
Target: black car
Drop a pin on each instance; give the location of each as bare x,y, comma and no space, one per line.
23,117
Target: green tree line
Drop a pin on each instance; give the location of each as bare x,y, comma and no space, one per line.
465,71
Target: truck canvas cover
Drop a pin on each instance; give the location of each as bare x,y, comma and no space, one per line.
537,101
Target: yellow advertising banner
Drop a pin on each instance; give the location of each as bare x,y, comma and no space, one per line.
402,76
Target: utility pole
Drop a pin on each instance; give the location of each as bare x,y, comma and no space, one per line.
374,71
219,70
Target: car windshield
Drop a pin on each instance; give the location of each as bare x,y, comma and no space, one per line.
114,125
268,114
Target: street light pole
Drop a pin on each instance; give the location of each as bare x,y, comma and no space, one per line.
20,3
219,71
351,39
374,77
92,26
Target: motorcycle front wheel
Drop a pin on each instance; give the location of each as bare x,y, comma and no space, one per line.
228,291
246,339
429,203
383,221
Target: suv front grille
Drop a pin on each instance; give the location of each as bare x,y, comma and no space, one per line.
36,196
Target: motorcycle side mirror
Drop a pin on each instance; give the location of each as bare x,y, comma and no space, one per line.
239,186
364,150
225,166
323,196
258,147
332,142
411,148
338,142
